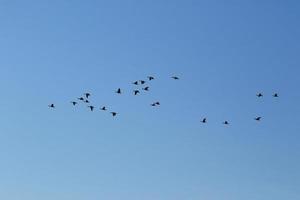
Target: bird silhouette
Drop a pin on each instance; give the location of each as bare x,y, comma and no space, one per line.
91,107
226,122
103,108
146,88
142,82
150,78
153,104
259,95
257,118
86,101
136,92
157,103
113,114
87,95
175,77
136,83
275,95
74,103
119,91
81,98
51,106
204,121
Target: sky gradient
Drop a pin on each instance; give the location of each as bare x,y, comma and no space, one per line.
223,52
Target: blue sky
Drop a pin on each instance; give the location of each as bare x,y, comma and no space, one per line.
224,53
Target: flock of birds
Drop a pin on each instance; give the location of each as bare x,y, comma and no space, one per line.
86,99
259,95
86,96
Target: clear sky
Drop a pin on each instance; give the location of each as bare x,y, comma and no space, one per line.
223,51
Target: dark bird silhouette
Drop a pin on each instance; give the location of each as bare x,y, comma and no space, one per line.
142,82
157,103
74,103
136,83
259,95
113,114
51,106
146,88
204,121
136,92
81,99
153,104
175,77
103,108
150,78
87,95
119,91
275,95
257,118
91,107
86,101
226,123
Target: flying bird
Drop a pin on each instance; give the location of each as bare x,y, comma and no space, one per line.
87,95
136,92
119,91
91,107
81,99
257,118
226,123
136,83
142,82
259,95
87,101
74,103
150,78
103,108
146,88
51,106
175,77
275,95
204,121
153,104
157,103
114,114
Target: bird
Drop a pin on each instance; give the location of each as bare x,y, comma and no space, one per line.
275,95
113,114
74,103
175,77
103,108
119,91
157,103
87,101
204,121
226,122
91,107
136,83
136,92
51,106
87,95
146,88
259,95
81,98
257,118
150,78
153,104
142,82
